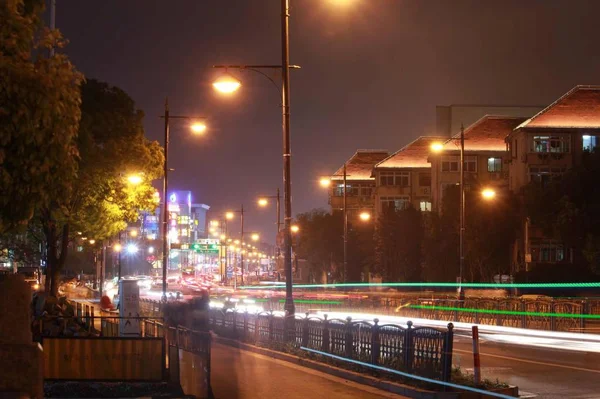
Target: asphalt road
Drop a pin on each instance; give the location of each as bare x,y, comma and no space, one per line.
547,373
239,374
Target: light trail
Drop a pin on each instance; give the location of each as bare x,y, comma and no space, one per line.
445,285
412,376
506,312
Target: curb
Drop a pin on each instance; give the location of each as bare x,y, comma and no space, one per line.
387,386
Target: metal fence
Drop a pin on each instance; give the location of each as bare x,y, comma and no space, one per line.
424,351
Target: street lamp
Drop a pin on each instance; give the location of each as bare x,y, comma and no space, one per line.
134,179
294,228
438,147
264,201
365,216
117,247
488,194
255,237
325,182
198,128
226,84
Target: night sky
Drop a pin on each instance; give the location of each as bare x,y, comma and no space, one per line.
372,73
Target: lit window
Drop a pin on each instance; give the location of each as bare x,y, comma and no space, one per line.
494,165
589,142
425,206
547,251
558,143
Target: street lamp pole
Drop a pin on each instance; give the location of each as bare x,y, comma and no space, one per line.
242,242
461,294
165,213
345,215
278,210
287,186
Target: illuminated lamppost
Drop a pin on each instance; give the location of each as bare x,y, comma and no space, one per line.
438,147
197,128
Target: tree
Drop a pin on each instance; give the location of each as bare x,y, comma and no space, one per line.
39,115
568,209
490,230
398,248
320,241
111,145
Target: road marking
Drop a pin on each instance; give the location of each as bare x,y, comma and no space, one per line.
533,362
526,395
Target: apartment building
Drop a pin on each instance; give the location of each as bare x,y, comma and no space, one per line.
486,158
404,177
542,149
359,180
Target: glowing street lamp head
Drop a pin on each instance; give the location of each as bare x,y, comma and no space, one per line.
198,127
325,182
237,242
92,241
133,233
134,179
294,228
229,215
263,202
132,249
117,247
365,216
222,236
437,147
214,223
488,194
150,250
254,237
226,84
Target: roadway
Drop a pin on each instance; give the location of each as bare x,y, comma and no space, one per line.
240,374
543,364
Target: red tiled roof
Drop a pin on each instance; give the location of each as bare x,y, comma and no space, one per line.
487,134
360,165
412,155
579,108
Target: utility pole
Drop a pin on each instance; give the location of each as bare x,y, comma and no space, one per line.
345,215
461,294
165,212
242,242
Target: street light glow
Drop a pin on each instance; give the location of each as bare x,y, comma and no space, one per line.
134,179
132,249
254,237
214,223
222,236
437,147
150,250
198,127
117,247
92,241
294,228
133,233
488,194
263,202
226,84
365,216
229,215
325,182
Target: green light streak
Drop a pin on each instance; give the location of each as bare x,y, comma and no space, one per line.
446,285
507,312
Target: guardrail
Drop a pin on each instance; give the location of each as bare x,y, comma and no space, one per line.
424,351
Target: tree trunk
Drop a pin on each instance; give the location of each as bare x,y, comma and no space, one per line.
54,260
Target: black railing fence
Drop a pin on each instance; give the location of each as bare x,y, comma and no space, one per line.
424,351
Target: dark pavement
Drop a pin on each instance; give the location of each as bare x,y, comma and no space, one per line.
239,374
547,373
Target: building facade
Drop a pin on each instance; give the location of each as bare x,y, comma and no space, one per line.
542,149
359,180
486,157
404,177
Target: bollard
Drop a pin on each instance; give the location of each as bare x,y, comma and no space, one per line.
476,359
